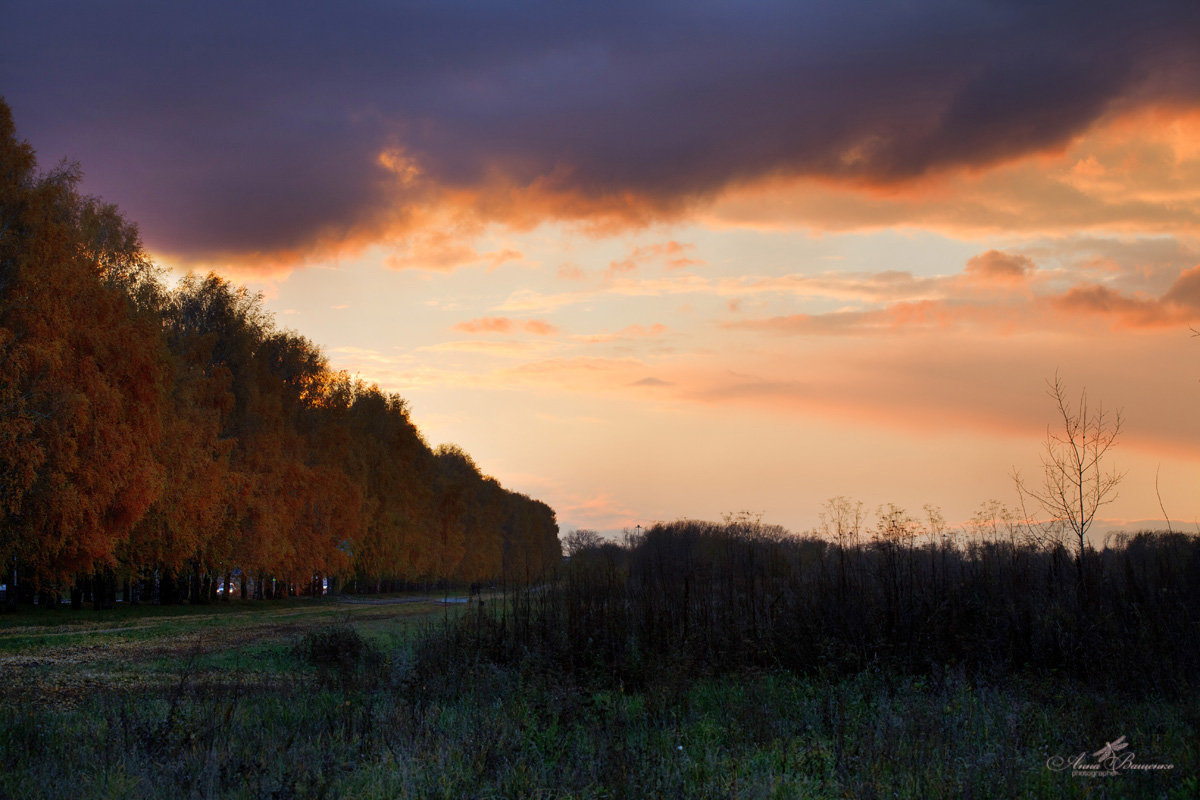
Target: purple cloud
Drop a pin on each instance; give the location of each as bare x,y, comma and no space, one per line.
230,127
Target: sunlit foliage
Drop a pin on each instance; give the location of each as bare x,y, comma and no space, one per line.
178,441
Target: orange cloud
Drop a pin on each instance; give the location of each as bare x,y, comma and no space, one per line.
916,379
895,317
672,254
675,255
1185,292
1179,306
996,291
502,348
601,511
506,325
486,325
539,327
628,332
577,373
1136,171
995,266
446,249
570,272
1102,301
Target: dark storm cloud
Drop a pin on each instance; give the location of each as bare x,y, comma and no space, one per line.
230,127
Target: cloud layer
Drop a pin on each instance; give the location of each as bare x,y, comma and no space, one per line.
254,130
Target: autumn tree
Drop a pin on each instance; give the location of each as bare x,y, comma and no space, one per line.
532,549
483,557
396,469
179,434
457,476
81,376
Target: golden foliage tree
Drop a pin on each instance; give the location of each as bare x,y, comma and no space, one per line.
82,371
178,435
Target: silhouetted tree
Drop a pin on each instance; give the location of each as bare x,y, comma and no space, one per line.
582,539
1075,480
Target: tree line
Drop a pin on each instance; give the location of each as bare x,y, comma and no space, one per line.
176,441
691,598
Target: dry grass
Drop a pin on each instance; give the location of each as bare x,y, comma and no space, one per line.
55,658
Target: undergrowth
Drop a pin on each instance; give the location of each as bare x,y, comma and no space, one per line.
489,731
607,684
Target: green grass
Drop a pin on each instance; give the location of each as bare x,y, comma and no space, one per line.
34,629
501,734
255,719
63,615
56,658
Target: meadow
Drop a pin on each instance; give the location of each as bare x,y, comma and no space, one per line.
631,675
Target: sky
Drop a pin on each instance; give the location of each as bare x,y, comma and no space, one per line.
657,260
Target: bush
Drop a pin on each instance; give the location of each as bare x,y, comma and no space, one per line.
337,647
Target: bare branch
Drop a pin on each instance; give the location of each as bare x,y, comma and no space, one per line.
1075,485
1160,502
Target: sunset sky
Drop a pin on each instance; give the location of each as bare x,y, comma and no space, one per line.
652,260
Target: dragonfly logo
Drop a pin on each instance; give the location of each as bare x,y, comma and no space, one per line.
1110,749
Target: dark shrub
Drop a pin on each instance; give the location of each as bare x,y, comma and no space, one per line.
692,598
339,647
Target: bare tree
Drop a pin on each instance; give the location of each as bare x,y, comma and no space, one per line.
582,539
841,519
1075,483
895,525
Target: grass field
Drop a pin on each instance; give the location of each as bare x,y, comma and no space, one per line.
62,653
241,701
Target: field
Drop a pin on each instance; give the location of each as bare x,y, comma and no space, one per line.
380,699
60,655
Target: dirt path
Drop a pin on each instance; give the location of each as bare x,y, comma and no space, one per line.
386,601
